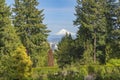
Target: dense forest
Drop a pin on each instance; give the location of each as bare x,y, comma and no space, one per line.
94,54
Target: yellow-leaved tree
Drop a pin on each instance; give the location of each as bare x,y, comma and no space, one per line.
21,64
18,65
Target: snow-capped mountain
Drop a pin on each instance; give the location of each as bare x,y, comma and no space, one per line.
64,32
56,38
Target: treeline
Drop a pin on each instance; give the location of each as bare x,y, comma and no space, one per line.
23,39
95,51
98,36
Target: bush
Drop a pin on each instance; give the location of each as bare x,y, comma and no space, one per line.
40,73
70,73
99,72
108,72
115,62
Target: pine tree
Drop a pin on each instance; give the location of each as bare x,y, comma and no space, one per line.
113,23
28,21
9,42
64,53
8,38
92,23
115,33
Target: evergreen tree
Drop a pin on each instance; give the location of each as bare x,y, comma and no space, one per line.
9,42
116,32
92,32
113,22
28,21
65,51
8,38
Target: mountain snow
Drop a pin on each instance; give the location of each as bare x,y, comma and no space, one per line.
56,38
64,32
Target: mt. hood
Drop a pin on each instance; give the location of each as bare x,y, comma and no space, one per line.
64,32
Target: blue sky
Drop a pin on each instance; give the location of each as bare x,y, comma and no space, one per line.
59,14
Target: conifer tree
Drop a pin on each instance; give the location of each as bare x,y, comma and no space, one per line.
9,42
115,33
28,21
113,24
92,31
8,38
64,53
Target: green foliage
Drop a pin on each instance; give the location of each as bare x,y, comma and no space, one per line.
98,40
86,57
71,75
92,31
28,21
21,64
16,66
64,53
113,22
13,61
115,62
108,72
83,72
99,72
8,38
41,72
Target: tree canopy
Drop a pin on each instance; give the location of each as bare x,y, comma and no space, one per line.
28,21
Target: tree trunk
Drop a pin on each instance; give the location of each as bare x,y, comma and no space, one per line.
94,51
